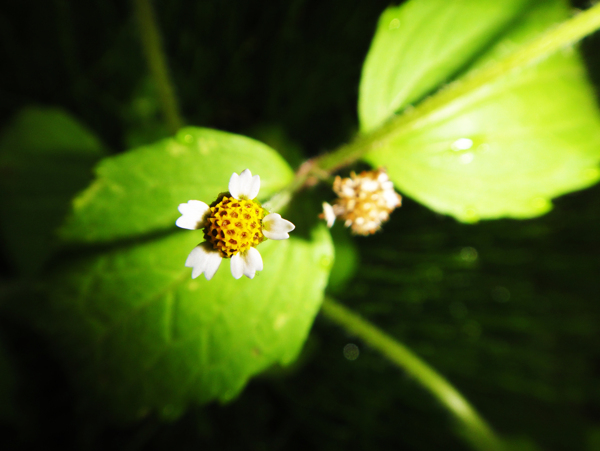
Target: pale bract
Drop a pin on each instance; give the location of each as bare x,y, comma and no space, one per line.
233,226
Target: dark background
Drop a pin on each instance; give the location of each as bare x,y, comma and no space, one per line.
507,310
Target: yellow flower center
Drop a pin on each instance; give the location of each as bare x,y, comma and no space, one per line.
234,225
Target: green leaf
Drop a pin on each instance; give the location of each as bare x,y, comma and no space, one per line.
421,44
346,260
138,192
46,157
143,336
507,148
142,116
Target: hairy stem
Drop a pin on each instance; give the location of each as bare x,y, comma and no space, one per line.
471,426
157,62
442,103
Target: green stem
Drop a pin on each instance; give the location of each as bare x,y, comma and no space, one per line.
157,62
444,102
472,426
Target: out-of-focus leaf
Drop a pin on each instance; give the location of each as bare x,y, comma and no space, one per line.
346,260
46,157
506,149
421,44
142,336
275,136
143,116
138,192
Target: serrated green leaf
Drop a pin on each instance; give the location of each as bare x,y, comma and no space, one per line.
138,192
506,149
143,336
421,44
46,157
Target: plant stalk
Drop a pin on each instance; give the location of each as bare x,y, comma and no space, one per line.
157,62
471,426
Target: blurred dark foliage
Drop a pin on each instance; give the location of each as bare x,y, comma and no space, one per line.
507,310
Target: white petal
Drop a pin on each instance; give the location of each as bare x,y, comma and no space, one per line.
234,185
275,227
237,266
246,186
212,264
382,177
253,261
245,180
192,215
254,187
389,185
348,191
369,186
328,214
246,263
203,260
392,199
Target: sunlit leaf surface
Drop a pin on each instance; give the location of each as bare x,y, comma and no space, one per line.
139,191
506,149
143,336
420,45
140,334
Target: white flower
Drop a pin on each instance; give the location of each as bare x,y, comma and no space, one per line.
233,226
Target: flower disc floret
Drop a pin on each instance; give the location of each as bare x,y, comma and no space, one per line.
234,225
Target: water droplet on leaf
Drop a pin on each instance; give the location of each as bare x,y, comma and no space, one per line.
325,261
185,138
471,215
540,204
462,144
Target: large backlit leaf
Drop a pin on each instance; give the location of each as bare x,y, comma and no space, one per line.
141,335
507,148
46,157
139,191
422,43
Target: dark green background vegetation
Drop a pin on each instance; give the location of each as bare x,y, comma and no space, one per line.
507,310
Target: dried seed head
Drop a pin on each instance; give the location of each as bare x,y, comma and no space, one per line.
364,201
